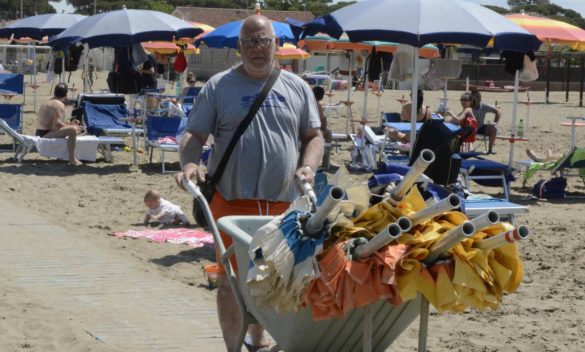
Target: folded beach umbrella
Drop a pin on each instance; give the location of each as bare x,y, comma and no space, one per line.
283,262
421,22
37,27
123,28
226,36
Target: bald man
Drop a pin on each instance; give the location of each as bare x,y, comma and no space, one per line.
260,176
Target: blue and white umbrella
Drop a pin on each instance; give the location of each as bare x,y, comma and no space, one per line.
226,36
283,260
37,27
124,28
420,22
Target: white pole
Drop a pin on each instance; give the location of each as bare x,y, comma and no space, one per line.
514,110
467,84
414,100
365,108
349,86
34,77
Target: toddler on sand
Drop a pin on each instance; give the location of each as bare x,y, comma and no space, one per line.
162,210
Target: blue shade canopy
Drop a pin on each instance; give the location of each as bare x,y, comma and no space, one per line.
124,28
420,22
37,27
226,36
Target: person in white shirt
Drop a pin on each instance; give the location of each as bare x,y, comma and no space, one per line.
162,211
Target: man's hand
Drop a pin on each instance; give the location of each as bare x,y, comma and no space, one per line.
306,173
190,171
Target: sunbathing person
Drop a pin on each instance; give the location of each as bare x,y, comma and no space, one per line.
163,211
423,112
50,122
550,156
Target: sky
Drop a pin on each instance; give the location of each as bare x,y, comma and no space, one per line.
577,5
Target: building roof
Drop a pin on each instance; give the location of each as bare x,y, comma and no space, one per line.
217,16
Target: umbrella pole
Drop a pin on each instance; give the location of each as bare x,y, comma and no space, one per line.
349,86
514,110
86,69
34,77
366,83
414,100
423,325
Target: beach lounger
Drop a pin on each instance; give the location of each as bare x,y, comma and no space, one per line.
57,147
487,173
189,99
12,115
478,204
106,119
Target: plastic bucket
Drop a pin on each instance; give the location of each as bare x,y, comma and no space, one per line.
211,272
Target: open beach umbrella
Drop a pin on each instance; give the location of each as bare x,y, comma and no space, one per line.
168,48
226,36
37,27
123,28
291,52
205,27
420,22
551,31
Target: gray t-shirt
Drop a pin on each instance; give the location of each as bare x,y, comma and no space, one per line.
482,111
263,163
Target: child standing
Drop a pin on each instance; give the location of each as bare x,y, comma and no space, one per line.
163,211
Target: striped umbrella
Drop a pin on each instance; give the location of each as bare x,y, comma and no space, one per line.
291,52
168,48
551,31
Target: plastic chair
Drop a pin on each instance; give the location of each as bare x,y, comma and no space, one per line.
161,134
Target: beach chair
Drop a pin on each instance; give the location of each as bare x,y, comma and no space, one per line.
486,172
574,159
161,134
11,85
110,120
57,147
189,99
12,115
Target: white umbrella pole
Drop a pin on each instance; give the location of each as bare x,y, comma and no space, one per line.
34,77
414,100
445,96
514,110
349,86
366,82
86,69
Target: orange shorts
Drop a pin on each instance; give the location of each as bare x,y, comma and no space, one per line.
221,207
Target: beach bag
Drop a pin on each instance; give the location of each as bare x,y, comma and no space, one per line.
553,188
208,187
471,122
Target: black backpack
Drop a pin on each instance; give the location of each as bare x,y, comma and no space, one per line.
553,188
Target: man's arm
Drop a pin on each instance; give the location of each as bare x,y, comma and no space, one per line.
190,152
313,146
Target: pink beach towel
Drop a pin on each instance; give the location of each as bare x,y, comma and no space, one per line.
192,237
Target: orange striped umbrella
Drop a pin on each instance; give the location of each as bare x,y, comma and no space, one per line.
290,52
206,28
551,31
167,48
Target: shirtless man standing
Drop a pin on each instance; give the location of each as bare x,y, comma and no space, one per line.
51,122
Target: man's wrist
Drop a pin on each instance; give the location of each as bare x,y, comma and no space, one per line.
310,168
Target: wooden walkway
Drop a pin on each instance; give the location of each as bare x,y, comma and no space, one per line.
122,305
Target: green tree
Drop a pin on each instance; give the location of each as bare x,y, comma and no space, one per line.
498,9
10,9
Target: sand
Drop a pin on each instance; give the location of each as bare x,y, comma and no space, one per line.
545,314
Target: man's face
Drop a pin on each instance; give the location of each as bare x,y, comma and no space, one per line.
257,47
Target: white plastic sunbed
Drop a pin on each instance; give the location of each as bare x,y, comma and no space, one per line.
57,147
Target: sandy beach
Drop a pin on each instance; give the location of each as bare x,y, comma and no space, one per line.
96,199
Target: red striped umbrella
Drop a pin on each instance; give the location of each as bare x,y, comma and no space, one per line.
551,31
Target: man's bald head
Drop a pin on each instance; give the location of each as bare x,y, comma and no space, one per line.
256,23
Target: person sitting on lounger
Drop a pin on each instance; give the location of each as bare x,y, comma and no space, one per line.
423,112
163,211
50,123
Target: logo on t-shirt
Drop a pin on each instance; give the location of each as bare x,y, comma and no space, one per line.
273,100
